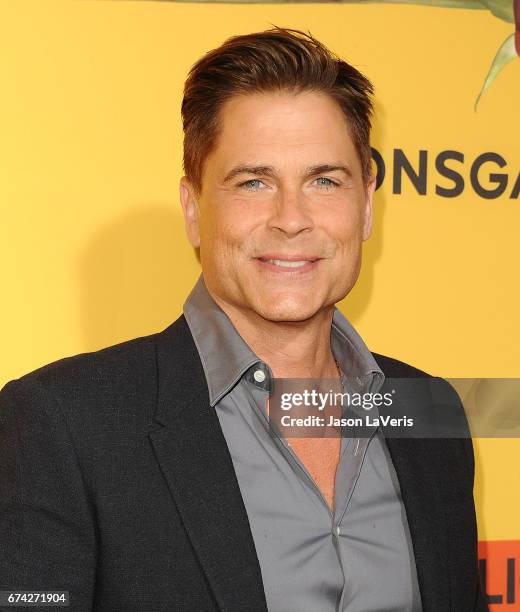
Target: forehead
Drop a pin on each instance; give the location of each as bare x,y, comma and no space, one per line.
282,129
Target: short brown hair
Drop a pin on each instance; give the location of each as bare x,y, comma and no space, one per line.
276,59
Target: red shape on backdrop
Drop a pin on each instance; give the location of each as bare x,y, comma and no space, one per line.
499,566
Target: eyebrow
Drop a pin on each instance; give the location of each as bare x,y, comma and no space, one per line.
271,171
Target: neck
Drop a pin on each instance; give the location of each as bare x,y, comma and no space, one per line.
292,349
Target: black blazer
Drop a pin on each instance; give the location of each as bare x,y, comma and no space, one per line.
116,484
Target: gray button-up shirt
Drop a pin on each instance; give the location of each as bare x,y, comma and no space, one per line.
358,558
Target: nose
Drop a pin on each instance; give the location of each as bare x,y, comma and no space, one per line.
291,214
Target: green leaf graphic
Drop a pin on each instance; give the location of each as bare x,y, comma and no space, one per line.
503,9
505,54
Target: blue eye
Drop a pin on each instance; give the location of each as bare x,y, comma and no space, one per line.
323,181
251,184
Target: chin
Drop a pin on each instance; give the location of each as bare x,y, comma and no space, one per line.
286,310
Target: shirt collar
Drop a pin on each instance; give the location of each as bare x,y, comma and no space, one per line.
352,354
224,353
226,357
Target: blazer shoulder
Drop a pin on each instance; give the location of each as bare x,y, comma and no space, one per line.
393,368
109,383
96,386
111,362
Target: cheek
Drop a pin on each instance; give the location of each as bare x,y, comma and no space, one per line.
233,223
343,211
346,229
223,237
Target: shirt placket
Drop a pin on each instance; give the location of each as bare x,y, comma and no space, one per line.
352,454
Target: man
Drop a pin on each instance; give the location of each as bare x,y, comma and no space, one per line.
146,476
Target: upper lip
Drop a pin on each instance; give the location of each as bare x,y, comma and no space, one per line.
288,257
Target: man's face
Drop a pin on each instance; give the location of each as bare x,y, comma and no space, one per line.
283,208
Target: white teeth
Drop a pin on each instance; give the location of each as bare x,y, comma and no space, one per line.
287,264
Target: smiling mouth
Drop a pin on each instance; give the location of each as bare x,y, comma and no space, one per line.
288,264
293,263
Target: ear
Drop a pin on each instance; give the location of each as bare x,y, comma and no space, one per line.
190,209
369,201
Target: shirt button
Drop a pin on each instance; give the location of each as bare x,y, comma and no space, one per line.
259,376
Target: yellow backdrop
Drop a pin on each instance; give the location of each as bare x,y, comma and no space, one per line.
92,241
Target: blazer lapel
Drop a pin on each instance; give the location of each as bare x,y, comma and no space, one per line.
419,464
195,460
